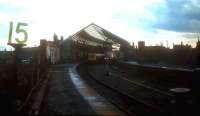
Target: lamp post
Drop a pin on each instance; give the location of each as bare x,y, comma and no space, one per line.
16,66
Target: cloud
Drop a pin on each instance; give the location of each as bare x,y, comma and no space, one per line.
178,15
149,20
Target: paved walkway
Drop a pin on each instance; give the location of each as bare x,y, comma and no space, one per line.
68,94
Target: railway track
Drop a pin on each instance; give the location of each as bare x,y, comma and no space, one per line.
143,83
162,84
151,96
133,93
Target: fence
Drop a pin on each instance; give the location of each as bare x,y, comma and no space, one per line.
18,83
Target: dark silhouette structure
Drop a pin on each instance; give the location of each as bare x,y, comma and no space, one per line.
180,54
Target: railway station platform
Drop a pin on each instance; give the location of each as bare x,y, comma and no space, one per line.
69,94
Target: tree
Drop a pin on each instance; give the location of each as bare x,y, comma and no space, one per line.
55,37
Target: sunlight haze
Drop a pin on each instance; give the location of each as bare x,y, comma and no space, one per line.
153,21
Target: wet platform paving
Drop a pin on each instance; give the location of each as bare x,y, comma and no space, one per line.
69,94
99,104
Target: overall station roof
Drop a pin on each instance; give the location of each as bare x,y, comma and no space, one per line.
96,34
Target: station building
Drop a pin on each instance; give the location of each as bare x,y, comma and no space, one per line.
95,41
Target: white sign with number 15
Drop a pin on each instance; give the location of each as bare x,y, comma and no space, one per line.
19,29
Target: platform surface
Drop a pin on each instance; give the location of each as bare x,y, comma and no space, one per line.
69,94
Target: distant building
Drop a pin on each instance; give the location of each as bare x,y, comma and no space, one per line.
94,40
151,54
198,44
183,54
181,46
198,52
133,45
141,45
49,52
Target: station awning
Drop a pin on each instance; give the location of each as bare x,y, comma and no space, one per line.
97,34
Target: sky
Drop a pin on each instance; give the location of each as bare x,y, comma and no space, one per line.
152,21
